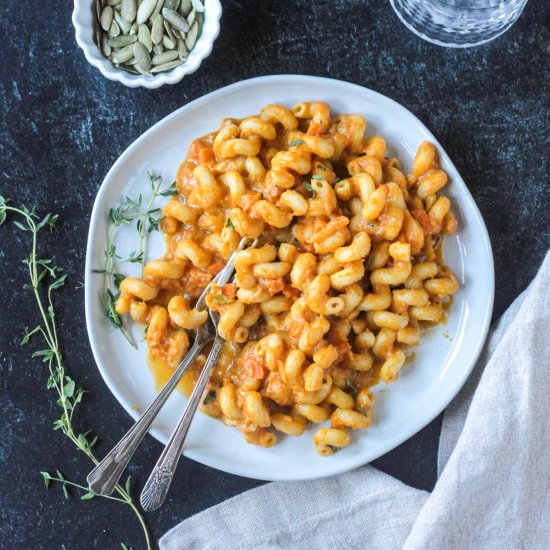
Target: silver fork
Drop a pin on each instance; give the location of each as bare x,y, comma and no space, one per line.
157,485
104,477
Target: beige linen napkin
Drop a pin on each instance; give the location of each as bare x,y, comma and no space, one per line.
494,457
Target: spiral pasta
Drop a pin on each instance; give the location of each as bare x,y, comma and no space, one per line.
348,269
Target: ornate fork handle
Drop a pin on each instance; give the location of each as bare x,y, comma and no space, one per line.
103,478
159,481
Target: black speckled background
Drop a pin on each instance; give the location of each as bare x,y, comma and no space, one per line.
63,126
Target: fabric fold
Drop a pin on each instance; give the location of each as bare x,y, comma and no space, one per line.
324,513
494,458
495,487
457,411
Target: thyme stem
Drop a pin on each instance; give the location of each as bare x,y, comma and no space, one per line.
147,219
68,395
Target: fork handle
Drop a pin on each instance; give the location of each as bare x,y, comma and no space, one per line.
159,481
104,477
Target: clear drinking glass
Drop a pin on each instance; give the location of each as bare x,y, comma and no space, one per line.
458,23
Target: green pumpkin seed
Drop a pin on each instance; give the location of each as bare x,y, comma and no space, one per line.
105,48
185,7
147,36
166,66
124,25
168,43
191,37
182,50
124,54
169,30
165,57
122,41
200,22
144,36
144,73
129,69
175,19
114,29
128,10
157,30
197,5
98,34
106,18
143,61
157,9
145,10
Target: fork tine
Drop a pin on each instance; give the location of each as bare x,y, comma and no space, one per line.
103,478
225,274
158,483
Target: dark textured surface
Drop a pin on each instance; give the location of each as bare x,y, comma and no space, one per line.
63,125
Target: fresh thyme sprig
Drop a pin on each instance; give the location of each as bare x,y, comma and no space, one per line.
147,220
45,279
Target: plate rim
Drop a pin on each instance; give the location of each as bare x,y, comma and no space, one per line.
392,443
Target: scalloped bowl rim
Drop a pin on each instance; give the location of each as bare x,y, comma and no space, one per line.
82,19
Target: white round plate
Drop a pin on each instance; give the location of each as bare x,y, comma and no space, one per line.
425,386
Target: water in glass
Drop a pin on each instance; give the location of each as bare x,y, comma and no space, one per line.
458,23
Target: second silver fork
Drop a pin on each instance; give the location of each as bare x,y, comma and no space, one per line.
157,486
104,477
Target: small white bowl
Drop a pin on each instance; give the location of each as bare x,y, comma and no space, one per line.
83,21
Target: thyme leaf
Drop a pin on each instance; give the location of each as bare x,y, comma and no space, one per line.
310,189
210,397
170,191
296,142
147,219
353,389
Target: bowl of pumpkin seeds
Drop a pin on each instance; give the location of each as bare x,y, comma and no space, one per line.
146,43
